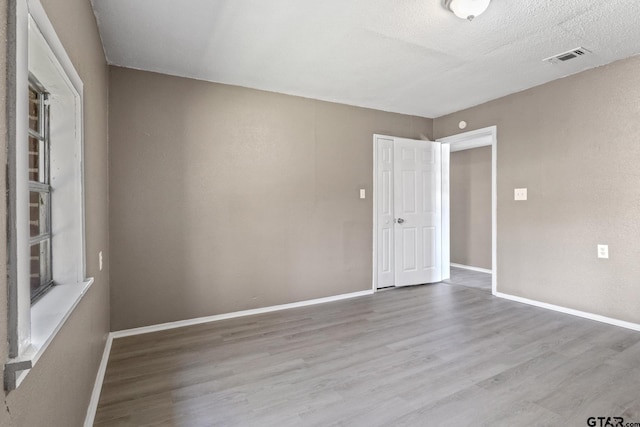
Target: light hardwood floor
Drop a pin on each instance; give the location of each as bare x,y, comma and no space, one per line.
433,355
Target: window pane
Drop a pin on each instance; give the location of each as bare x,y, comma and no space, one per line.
40,266
38,213
37,169
34,110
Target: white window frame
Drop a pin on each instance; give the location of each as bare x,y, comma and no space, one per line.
33,327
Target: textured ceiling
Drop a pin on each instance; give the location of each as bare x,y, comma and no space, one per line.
405,56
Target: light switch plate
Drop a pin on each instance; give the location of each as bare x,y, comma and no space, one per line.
362,193
520,194
100,259
603,251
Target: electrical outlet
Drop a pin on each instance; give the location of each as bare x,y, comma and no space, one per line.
520,194
100,259
603,251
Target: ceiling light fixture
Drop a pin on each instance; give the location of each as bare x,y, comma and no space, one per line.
467,9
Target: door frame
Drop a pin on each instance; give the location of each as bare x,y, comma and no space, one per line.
481,138
444,242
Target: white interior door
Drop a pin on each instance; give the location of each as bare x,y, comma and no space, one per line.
385,244
408,212
417,210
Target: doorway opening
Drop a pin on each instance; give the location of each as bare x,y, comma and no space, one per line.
465,141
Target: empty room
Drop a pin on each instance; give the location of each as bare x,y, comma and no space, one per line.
294,213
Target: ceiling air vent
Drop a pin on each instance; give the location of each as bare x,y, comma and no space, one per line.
567,56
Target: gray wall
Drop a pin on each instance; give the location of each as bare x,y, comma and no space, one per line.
56,392
574,143
224,198
470,197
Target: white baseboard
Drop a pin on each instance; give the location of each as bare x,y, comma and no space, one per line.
584,314
468,267
97,386
217,317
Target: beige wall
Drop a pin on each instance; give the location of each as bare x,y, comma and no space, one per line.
574,144
470,198
224,198
56,392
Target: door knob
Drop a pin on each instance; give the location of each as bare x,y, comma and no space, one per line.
400,220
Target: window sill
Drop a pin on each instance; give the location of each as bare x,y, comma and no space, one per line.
48,315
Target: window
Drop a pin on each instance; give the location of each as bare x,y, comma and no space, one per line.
45,187
41,275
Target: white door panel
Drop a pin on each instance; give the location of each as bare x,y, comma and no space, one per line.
385,259
417,212
409,246
428,241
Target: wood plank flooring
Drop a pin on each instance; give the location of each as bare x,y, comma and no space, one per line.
470,279
436,355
